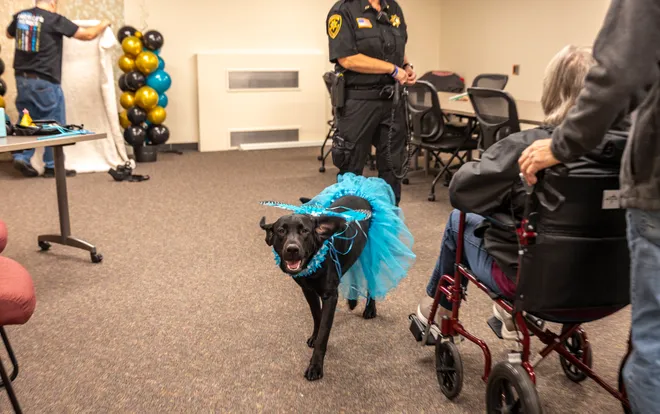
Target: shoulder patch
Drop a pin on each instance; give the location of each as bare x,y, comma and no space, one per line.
334,25
363,23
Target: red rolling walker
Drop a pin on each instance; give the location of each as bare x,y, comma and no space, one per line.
511,383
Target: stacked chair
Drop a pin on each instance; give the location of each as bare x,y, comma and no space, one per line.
431,133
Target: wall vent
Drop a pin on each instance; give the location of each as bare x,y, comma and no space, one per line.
263,79
261,136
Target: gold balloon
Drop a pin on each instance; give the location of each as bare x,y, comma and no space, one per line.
132,46
2,102
127,100
123,120
126,63
146,62
157,115
138,35
146,98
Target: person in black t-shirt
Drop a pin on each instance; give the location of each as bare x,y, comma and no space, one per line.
367,43
39,33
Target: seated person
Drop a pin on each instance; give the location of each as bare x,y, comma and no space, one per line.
492,185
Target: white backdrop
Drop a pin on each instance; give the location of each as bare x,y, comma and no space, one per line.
89,91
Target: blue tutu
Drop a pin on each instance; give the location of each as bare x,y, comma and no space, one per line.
387,255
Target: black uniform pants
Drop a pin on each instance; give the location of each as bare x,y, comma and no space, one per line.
363,123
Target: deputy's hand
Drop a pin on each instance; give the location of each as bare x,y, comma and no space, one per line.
535,158
401,76
412,76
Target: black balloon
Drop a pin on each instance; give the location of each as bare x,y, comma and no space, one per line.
125,32
153,40
2,67
136,115
158,134
122,84
3,88
134,135
135,80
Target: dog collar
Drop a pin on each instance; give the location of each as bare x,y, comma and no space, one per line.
314,265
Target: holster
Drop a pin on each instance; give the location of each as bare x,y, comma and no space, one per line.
338,91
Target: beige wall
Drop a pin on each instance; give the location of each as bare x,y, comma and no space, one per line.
480,36
193,26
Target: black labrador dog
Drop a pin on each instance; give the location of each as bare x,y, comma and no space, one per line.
296,239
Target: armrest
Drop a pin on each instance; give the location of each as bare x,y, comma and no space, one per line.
3,236
503,221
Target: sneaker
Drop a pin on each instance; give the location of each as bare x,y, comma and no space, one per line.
509,331
50,173
423,314
25,168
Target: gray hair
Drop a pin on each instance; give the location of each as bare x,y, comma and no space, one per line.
564,79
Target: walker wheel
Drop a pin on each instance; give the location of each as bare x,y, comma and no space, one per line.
510,390
405,181
319,157
431,197
577,345
44,246
322,169
449,369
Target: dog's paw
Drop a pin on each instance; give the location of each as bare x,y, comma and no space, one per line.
311,340
314,372
352,304
369,312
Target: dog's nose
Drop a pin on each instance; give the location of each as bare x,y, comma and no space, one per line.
292,249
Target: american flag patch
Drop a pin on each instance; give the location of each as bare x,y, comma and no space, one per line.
363,23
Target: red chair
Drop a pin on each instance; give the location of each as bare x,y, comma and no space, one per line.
17,304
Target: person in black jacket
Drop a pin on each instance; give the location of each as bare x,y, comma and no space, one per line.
625,80
493,186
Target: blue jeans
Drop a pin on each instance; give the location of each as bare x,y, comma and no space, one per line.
45,101
642,371
475,256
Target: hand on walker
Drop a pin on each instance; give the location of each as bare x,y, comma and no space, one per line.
412,76
535,158
401,76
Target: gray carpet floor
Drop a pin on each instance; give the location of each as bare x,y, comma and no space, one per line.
188,312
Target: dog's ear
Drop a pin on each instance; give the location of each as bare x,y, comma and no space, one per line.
268,228
327,226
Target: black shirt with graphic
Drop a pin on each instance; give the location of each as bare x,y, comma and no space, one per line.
39,38
354,26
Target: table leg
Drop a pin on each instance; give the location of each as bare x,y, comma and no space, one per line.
64,238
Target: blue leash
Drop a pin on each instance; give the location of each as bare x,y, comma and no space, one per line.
63,132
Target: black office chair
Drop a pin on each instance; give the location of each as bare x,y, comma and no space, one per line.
371,161
431,133
496,113
491,81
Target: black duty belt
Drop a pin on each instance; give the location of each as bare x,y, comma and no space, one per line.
374,94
